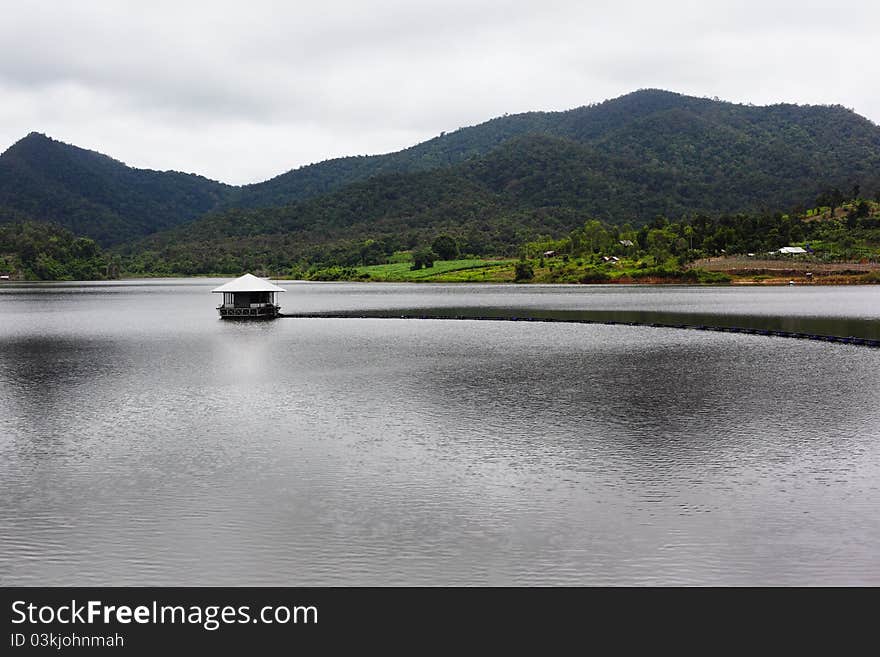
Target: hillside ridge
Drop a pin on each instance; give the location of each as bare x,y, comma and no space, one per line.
626,159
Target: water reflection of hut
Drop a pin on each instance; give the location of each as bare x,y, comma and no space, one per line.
248,297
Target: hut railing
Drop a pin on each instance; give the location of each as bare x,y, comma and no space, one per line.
254,310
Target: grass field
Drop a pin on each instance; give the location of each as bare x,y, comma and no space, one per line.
443,271
716,271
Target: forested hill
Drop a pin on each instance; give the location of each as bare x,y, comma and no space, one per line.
448,149
530,186
628,159
96,196
773,155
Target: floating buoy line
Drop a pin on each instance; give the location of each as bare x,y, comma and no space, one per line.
851,340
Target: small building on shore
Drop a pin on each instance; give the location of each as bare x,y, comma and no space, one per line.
248,297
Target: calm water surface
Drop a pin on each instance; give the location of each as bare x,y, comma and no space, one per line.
144,441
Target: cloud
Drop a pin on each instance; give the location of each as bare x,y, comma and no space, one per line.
244,91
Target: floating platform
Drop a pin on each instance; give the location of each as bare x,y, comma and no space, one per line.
248,297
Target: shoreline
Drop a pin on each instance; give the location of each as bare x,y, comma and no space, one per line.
743,281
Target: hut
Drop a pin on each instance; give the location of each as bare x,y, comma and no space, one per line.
248,297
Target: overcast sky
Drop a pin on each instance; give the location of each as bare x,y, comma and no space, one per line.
243,91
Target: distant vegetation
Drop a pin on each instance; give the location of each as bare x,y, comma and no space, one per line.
595,252
41,251
663,251
851,233
96,196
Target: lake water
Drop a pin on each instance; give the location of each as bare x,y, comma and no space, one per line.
145,441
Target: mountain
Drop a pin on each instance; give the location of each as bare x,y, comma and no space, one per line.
771,156
530,186
443,151
629,159
94,195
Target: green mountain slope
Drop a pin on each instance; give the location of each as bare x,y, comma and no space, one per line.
668,157
41,251
768,155
529,186
446,150
628,159
95,195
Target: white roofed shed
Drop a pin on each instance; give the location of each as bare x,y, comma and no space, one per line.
249,283
248,297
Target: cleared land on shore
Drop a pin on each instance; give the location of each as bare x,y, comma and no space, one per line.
745,270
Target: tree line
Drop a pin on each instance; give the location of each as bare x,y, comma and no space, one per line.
41,251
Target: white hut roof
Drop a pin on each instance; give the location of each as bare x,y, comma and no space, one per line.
249,283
